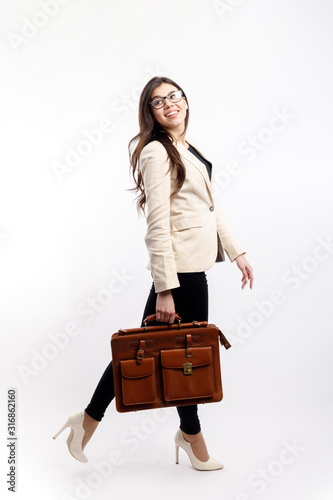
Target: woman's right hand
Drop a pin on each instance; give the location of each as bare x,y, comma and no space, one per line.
165,307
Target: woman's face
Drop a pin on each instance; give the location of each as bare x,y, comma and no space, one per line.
172,115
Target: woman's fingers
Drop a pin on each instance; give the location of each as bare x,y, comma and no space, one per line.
165,307
247,272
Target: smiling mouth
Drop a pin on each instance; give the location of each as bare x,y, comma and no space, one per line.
172,113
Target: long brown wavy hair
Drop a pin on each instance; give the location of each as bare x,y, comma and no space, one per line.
151,130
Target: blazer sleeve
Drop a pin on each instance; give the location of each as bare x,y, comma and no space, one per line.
154,166
229,241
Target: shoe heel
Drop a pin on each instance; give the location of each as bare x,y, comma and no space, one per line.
62,429
210,464
177,453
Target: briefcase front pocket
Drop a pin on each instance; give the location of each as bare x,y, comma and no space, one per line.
187,377
138,381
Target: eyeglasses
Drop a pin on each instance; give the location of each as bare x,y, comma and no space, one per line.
174,96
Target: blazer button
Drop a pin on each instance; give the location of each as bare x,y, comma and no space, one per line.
211,208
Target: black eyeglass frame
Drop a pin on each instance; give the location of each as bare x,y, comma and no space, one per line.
167,96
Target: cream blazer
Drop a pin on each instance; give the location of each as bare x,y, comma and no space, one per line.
189,232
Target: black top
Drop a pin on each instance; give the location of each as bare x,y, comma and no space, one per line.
204,161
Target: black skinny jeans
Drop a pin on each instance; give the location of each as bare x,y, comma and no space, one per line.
191,303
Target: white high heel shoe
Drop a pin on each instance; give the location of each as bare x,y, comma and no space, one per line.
211,464
75,438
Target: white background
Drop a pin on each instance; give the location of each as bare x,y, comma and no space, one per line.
63,238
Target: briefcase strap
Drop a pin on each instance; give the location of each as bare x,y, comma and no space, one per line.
140,354
224,341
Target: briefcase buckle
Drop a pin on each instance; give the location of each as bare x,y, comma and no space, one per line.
141,351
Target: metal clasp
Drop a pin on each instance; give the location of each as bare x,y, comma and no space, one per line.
187,368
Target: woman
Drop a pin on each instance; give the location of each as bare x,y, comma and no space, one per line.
186,233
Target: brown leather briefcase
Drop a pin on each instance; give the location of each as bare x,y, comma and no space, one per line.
167,365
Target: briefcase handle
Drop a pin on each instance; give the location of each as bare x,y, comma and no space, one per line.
223,339
152,317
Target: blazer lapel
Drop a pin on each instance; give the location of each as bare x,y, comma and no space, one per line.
197,147
196,162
